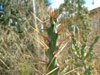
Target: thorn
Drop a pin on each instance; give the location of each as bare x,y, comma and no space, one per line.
39,20
55,14
61,28
64,26
68,34
68,63
40,41
45,38
54,53
52,17
62,41
59,20
61,49
42,35
49,12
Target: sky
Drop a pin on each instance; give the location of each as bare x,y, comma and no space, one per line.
89,3
55,3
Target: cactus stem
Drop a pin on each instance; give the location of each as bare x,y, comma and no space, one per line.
52,71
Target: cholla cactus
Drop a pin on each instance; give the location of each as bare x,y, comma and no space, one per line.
52,46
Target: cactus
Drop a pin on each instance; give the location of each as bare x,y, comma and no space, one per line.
82,57
52,47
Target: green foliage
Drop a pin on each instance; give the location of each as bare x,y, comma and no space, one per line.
91,48
26,70
88,71
11,16
82,20
83,55
47,3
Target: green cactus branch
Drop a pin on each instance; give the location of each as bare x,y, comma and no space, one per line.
54,48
